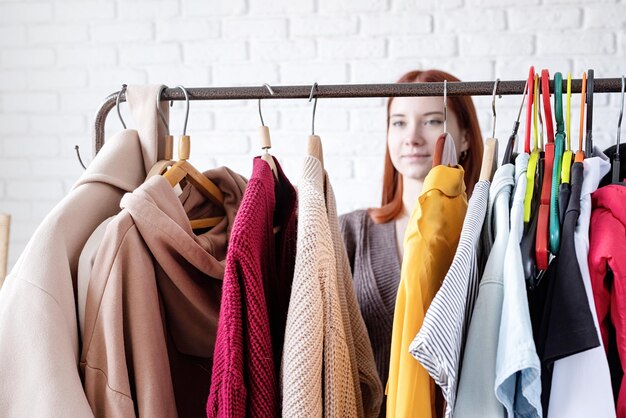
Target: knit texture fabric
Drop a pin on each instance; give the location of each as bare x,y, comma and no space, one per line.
373,257
244,381
323,346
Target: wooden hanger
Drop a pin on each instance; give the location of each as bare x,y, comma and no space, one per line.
546,188
182,169
161,166
445,149
559,147
490,151
580,154
266,142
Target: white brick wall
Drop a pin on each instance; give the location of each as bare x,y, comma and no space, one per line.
59,59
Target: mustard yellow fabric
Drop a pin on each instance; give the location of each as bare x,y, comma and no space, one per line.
430,242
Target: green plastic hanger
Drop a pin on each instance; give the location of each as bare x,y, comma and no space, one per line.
559,145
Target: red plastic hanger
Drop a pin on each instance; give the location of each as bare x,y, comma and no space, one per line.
529,108
541,244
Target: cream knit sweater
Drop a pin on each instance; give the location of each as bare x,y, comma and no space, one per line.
328,365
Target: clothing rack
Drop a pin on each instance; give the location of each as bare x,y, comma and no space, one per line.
462,88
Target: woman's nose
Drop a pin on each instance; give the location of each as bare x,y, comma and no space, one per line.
414,137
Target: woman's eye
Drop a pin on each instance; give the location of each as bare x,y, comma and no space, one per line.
399,123
434,122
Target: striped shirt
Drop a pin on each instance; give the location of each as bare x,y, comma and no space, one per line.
438,344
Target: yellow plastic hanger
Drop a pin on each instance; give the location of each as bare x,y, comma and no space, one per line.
534,155
182,169
566,166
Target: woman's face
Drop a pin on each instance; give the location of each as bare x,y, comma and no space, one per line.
415,123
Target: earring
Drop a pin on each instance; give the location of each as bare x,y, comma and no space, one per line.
463,155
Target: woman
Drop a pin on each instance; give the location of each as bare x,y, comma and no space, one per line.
374,237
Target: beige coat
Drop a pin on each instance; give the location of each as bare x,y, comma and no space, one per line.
39,344
328,364
153,302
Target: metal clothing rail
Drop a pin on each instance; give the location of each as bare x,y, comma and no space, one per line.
463,88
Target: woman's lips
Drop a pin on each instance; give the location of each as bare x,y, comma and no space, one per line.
416,157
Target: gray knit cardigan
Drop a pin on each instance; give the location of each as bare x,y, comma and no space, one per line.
375,265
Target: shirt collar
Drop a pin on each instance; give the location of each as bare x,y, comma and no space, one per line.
448,180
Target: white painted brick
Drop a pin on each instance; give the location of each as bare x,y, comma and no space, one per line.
57,123
245,28
578,2
14,168
23,12
138,10
356,194
527,19
84,141
611,16
76,11
496,44
516,68
369,166
345,49
151,54
291,144
282,51
30,146
29,102
27,58
352,6
211,8
113,78
56,34
498,3
200,120
192,76
279,7
20,211
316,26
85,100
122,32
22,231
12,35
246,119
220,143
12,80
469,20
185,30
326,119
62,168
35,190
52,79
322,72
13,123
465,69
366,120
208,52
86,56
423,46
427,5
245,74
399,24
382,70
42,208
578,42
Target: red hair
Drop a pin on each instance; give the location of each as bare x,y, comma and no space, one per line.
463,107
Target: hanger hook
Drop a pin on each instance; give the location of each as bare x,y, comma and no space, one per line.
311,96
445,105
619,121
117,104
269,88
187,107
80,160
493,105
158,100
519,114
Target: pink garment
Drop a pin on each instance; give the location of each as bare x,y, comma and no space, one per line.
153,302
607,250
255,298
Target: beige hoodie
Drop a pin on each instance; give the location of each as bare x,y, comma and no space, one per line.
153,302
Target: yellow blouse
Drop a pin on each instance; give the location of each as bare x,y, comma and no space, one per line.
430,242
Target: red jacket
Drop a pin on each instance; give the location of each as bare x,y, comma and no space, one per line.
259,267
607,253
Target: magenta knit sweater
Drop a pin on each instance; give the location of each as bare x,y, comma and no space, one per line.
251,327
